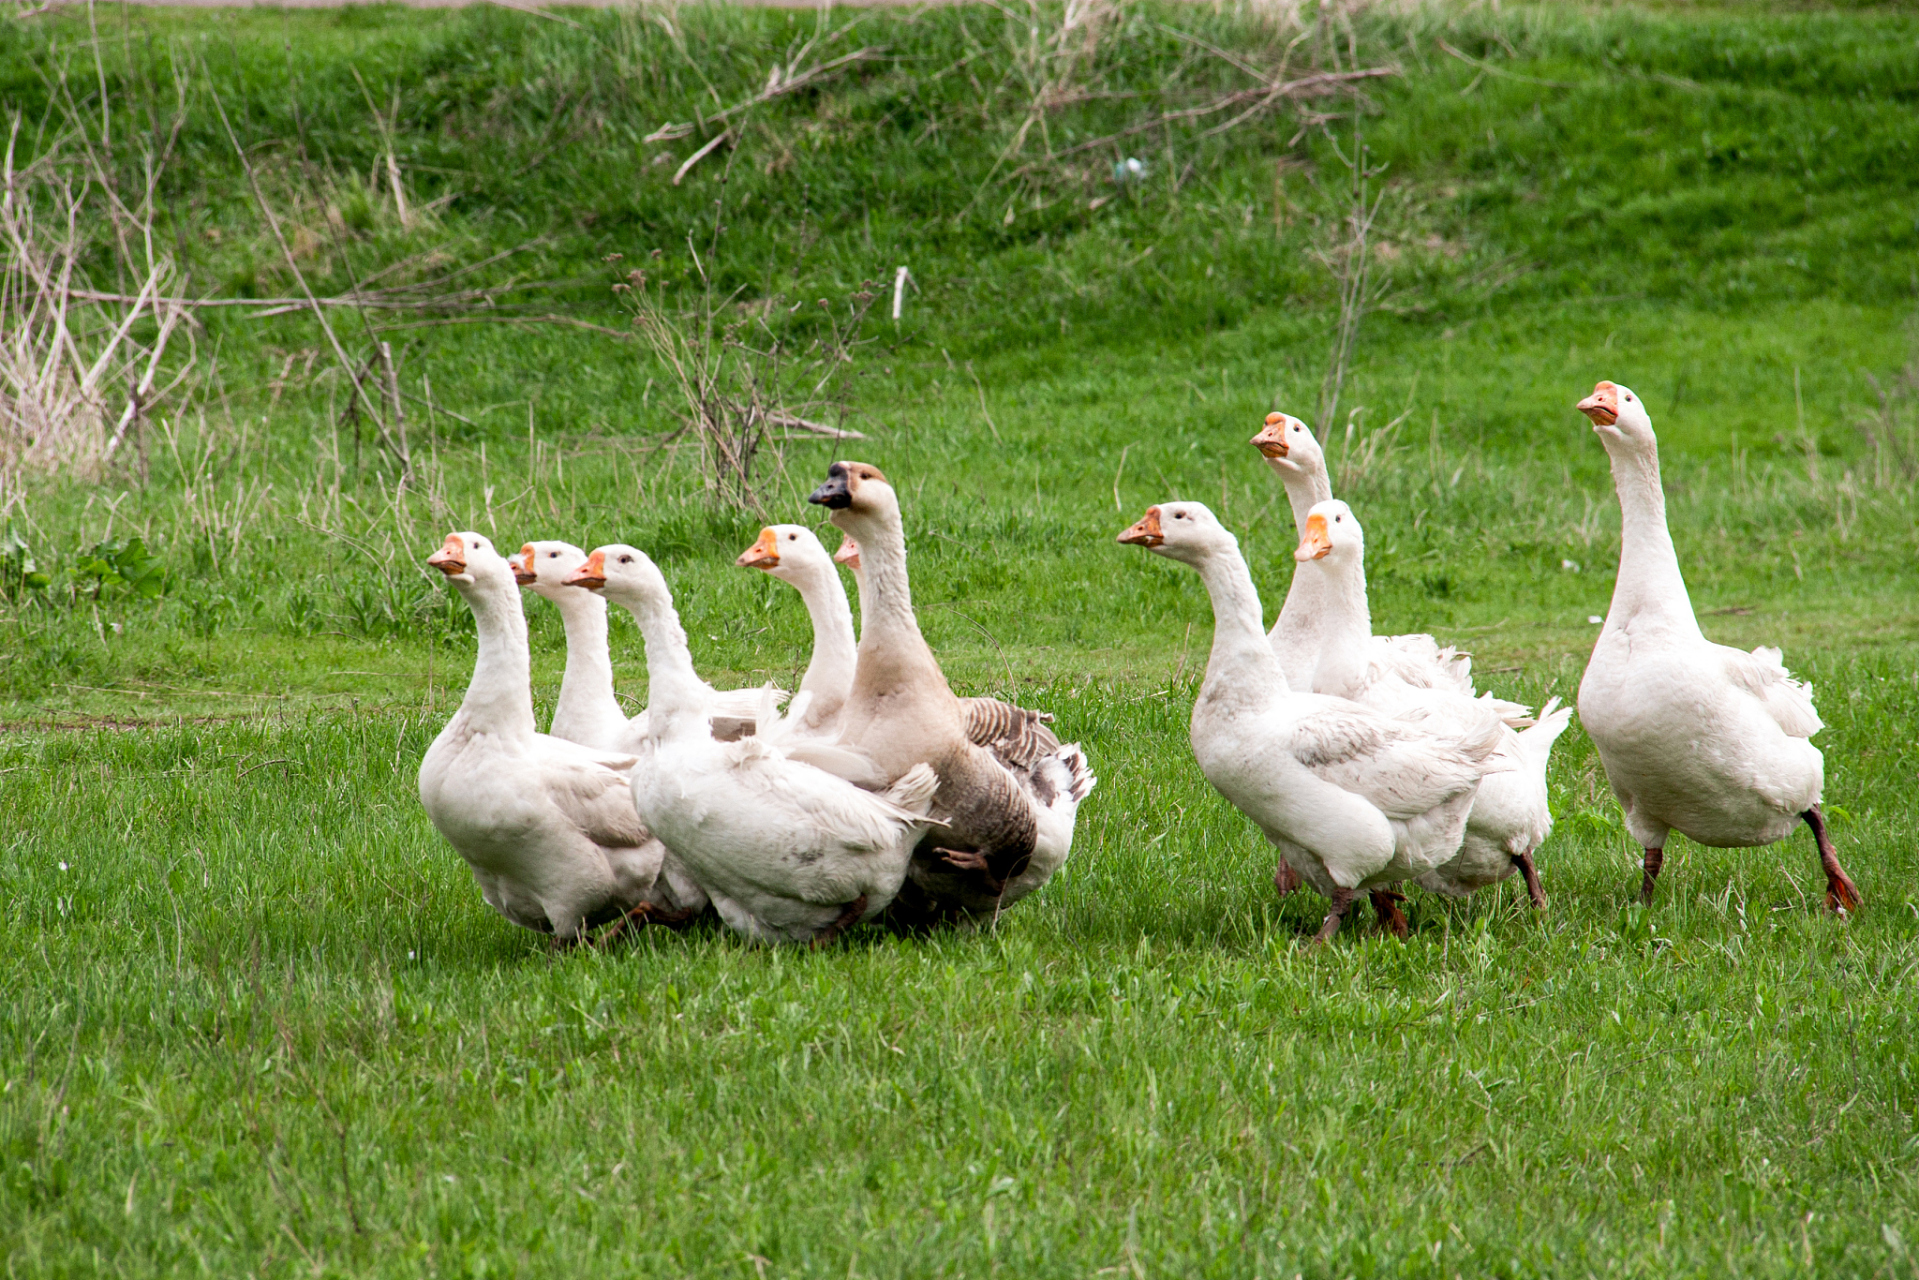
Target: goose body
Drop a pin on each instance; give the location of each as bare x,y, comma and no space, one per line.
1356,801
786,851
1510,817
1696,737
1005,827
547,826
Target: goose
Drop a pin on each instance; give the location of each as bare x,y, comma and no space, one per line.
1356,801
1510,816
786,851
548,826
1696,737
1006,827
1018,736
793,554
1293,453
588,711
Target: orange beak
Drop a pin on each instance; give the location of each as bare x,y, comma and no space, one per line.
1317,544
848,553
451,557
1602,406
591,575
1146,533
522,566
1271,440
763,554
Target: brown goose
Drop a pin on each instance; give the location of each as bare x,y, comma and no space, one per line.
1007,827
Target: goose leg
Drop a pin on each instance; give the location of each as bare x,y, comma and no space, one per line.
846,920
1841,893
1655,859
1524,861
1342,898
973,860
647,913
1286,880
1386,907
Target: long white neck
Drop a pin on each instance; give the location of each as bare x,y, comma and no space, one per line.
500,697
1346,633
1298,634
675,696
587,710
1241,673
1649,583
1306,488
829,676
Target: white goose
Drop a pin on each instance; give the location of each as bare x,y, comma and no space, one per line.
1292,451
788,852
1007,825
547,825
793,554
1510,817
1696,737
1355,800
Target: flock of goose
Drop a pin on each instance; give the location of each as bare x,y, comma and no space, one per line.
1368,761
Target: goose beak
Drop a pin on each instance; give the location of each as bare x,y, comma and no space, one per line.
1271,440
591,575
522,566
1145,533
848,553
1602,406
450,559
763,554
1317,544
836,494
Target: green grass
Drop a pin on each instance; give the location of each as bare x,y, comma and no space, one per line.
258,1021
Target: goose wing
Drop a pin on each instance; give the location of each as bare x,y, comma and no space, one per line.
1400,765
590,789
1762,673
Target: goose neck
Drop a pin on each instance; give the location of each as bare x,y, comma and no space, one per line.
674,689
500,697
1305,489
1241,668
829,675
1649,582
1347,625
587,687
886,595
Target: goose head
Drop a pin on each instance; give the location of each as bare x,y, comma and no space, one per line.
1618,417
469,559
788,552
1333,535
623,574
1183,531
858,495
848,554
1289,446
545,567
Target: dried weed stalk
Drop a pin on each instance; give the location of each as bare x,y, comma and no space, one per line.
81,368
745,388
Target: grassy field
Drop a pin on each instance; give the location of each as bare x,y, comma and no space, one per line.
257,1019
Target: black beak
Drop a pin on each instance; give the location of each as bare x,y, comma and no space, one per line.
834,494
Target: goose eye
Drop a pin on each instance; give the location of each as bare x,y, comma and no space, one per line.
552,555
626,559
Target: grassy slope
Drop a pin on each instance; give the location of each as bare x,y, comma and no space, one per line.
264,1023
